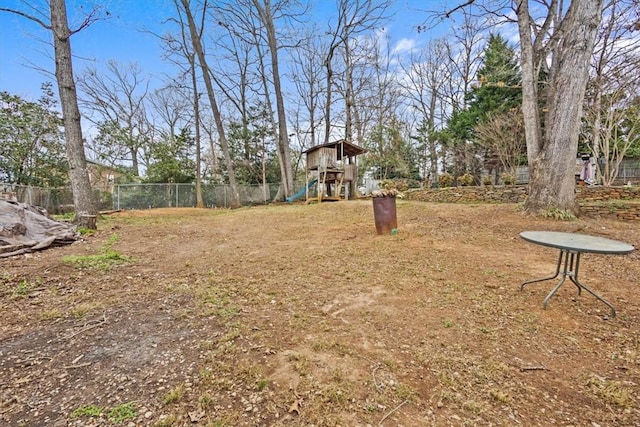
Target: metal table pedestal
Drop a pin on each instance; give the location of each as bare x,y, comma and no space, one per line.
572,246
570,270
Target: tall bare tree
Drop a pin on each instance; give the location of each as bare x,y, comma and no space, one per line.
378,95
355,17
196,41
85,207
567,35
114,100
463,49
170,106
254,22
307,78
243,24
234,78
613,93
190,56
502,134
465,56
197,127
266,15
424,82
178,50
556,41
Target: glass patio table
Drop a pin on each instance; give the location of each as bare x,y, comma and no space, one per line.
571,247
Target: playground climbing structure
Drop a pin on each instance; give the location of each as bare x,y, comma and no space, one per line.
334,167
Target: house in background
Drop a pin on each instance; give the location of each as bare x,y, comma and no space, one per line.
103,177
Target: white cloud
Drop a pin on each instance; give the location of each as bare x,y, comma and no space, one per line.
404,45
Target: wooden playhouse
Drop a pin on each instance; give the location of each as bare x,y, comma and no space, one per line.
333,170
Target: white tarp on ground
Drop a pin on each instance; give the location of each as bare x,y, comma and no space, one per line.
25,228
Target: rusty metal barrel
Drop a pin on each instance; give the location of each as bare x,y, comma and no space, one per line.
384,213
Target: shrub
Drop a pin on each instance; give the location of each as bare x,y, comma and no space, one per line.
466,179
508,179
445,180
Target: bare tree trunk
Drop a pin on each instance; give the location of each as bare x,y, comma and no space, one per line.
613,89
348,95
197,46
354,19
308,66
196,119
433,150
329,83
597,104
85,208
280,195
469,36
532,126
266,17
552,157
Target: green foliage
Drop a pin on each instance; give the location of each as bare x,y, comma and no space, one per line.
111,240
390,155
86,231
218,301
107,258
172,160
426,139
68,217
631,129
123,412
262,384
499,80
112,141
558,214
23,288
31,141
102,261
173,396
252,148
118,414
498,91
87,411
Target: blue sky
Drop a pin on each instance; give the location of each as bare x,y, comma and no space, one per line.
120,38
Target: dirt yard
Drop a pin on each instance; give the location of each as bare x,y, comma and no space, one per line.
299,315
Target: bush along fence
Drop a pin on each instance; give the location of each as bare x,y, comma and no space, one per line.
613,202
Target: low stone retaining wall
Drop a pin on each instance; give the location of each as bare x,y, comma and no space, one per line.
612,202
488,194
598,194
625,211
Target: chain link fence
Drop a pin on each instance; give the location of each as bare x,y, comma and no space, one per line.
54,200
148,196
142,196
